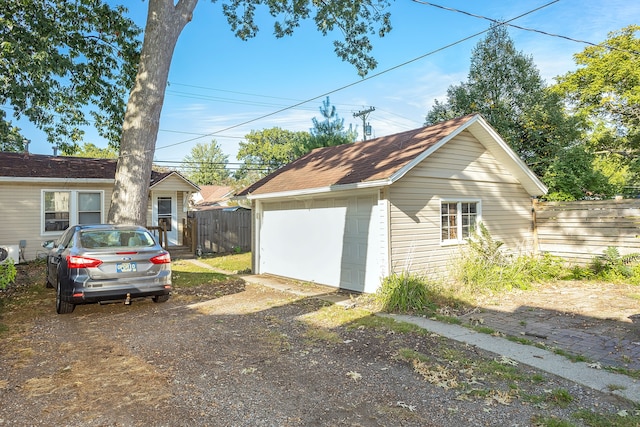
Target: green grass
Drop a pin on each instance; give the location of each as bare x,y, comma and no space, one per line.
230,262
593,419
187,275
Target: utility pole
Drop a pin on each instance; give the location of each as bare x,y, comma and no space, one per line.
366,128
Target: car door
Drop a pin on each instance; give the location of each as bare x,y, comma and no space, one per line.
55,255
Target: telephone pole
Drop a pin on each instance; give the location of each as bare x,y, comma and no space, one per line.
366,128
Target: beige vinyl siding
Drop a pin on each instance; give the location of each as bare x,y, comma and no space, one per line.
462,170
21,211
178,186
173,183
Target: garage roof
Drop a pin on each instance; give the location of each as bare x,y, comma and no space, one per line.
381,161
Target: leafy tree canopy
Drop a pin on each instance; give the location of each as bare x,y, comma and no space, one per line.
330,131
355,20
505,86
267,150
574,176
65,65
93,151
605,89
207,164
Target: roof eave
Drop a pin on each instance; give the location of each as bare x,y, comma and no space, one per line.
30,179
316,191
179,175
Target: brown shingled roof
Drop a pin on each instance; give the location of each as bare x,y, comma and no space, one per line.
27,165
371,160
20,165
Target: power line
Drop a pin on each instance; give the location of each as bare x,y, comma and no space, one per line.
534,30
264,116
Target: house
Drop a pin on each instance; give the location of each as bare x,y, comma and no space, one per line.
41,195
211,197
348,216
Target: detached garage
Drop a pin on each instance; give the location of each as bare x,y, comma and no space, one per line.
348,216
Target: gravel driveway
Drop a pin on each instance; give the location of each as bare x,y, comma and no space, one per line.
258,356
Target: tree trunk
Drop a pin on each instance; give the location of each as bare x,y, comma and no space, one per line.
165,22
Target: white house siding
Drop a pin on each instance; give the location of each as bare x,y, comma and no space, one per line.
333,241
21,211
180,189
461,169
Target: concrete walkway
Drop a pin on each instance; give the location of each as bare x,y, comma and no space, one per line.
578,372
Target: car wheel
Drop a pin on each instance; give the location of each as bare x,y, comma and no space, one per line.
62,307
161,298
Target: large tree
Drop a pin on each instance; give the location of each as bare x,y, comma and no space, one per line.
355,21
505,86
605,88
64,64
605,91
207,164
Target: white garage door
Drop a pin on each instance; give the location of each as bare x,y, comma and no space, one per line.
332,241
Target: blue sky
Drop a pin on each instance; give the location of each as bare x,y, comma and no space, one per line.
220,86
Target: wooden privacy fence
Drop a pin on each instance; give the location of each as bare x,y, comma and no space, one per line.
582,230
223,231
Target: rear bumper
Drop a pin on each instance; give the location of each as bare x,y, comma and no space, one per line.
96,291
86,297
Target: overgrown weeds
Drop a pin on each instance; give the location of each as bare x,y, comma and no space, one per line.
610,266
485,267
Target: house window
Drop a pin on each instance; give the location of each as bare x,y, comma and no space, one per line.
64,208
89,208
164,212
458,220
56,210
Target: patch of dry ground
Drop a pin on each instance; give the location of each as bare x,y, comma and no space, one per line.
257,356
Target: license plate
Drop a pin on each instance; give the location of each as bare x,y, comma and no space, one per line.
126,267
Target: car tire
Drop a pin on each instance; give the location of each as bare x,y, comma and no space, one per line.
161,298
62,307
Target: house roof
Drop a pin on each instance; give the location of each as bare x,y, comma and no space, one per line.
215,193
27,166
382,161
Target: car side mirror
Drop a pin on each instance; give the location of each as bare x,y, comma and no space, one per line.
49,244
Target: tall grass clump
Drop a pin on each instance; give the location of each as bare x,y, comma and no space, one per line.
405,292
485,266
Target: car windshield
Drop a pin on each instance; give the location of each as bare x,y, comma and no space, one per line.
95,239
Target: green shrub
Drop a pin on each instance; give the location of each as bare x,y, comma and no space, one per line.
404,292
7,274
613,267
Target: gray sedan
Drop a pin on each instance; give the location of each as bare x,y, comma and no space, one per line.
107,263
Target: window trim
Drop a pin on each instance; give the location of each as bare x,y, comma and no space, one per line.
73,207
459,201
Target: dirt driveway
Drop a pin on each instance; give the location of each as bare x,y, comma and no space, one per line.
257,356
